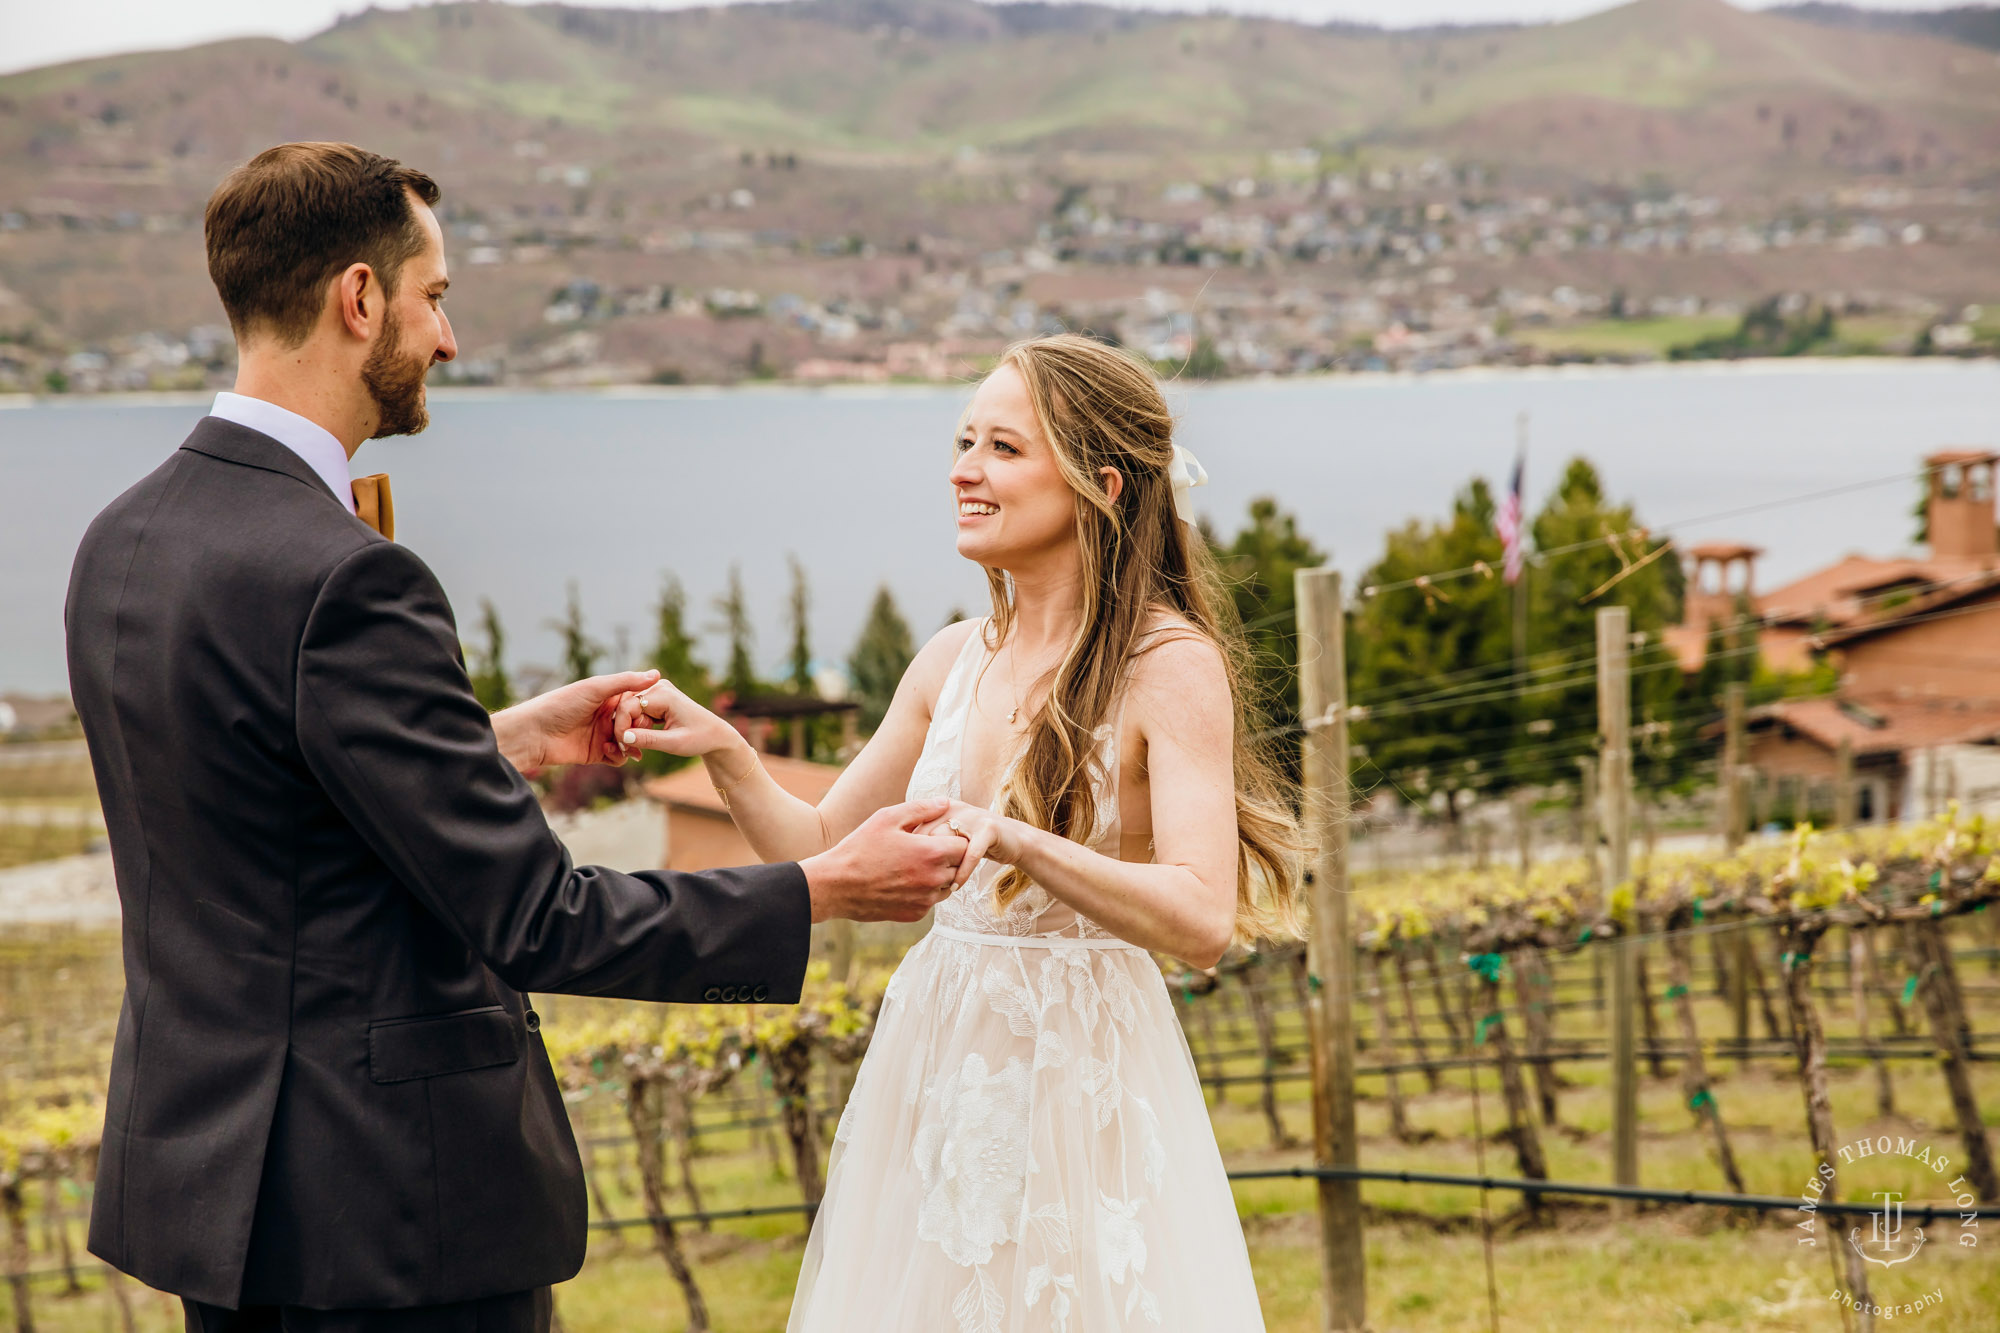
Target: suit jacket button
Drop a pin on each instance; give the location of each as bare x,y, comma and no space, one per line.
729,995
761,994
711,995
534,1021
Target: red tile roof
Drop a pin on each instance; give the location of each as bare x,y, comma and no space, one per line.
1850,589
1883,726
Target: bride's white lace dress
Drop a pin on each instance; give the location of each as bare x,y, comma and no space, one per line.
1026,1146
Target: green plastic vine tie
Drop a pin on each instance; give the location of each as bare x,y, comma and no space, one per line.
1702,1098
1675,991
1486,1025
1313,982
1487,965
1937,907
1699,915
1584,936
1910,989
1937,878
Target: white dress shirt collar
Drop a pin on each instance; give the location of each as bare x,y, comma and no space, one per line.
308,439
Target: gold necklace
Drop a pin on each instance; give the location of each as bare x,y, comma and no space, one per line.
1014,713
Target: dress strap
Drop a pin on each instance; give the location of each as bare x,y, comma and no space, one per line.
956,694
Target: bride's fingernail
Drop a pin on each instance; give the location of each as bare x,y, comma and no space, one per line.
631,736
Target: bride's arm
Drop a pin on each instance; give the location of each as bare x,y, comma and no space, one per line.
777,825
1184,902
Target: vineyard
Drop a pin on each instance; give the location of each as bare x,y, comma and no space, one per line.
1804,995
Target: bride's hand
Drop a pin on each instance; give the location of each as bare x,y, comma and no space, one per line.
988,837
662,718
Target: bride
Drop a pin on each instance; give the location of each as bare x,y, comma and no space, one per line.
1026,1146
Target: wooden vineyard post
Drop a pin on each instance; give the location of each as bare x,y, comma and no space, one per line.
1399,1120
840,949
1593,859
1535,993
13,1204
1267,1051
1897,1019
645,1108
1944,1006
1418,1045
1858,973
1614,725
1206,1017
1493,1030
1643,984
1322,625
1694,1068
1809,1041
1843,784
1448,1010
1524,843
1740,944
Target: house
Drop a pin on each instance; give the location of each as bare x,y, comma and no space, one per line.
700,834
1915,641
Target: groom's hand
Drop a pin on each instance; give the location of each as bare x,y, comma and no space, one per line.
577,723
886,870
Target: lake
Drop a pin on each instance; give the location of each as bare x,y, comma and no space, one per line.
512,495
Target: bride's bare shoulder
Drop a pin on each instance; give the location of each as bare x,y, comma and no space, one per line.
933,661
1178,672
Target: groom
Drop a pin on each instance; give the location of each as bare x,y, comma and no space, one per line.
329,1107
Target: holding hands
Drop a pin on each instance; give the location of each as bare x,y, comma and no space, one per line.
895,865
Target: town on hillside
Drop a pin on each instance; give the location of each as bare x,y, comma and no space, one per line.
1775,184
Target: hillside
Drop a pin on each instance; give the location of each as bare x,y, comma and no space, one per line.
1975,25
838,132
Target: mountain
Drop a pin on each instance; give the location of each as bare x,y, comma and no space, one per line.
813,139
1975,25
1700,86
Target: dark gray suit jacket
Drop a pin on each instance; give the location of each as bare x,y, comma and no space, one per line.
327,1088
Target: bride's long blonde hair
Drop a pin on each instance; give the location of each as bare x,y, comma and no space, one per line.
1100,407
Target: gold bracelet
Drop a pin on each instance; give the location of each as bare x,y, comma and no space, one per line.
723,792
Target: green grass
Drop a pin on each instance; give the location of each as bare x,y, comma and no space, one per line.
1625,337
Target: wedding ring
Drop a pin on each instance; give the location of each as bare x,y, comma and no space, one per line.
952,824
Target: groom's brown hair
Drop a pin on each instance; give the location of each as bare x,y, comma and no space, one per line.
288,221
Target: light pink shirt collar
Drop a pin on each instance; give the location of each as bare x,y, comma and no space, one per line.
308,439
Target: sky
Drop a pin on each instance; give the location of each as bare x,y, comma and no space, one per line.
35,32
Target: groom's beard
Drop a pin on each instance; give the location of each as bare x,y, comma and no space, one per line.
396,383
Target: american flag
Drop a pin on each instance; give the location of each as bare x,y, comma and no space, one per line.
1509,523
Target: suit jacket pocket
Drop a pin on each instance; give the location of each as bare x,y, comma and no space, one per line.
400,1049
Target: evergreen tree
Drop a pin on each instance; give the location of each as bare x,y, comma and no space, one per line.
1258,566
740,679
801,679
674,647
1564,597
1434,662
489,663
881,655
580,653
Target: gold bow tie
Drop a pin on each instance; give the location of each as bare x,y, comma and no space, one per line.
373,505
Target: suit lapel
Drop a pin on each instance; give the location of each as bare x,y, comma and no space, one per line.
253,448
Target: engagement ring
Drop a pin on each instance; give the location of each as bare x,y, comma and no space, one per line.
952,824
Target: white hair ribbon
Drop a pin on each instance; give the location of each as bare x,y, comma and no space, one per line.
1186,473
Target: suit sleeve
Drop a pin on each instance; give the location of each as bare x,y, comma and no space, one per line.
389,725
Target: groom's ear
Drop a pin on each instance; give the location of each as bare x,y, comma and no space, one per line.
359,301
